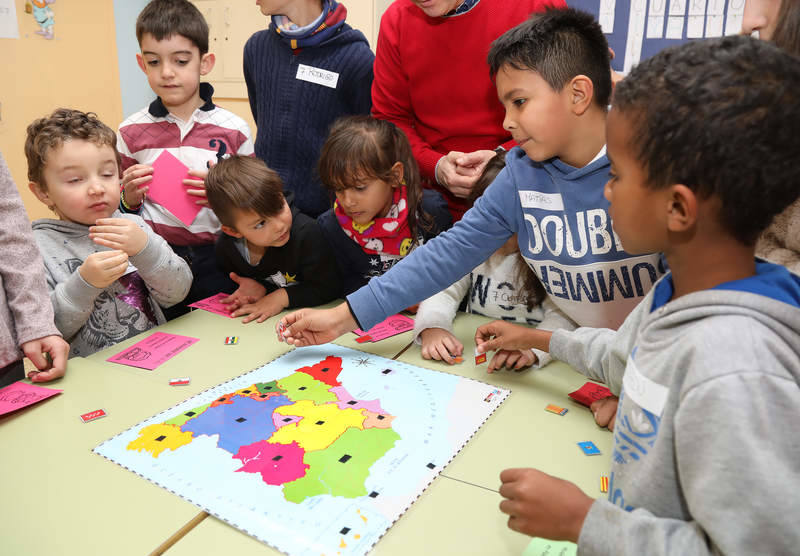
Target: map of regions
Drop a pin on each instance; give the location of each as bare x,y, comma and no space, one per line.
317,452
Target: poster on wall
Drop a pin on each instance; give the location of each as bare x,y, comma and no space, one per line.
43,14
8,20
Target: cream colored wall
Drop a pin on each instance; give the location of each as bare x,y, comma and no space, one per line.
77,69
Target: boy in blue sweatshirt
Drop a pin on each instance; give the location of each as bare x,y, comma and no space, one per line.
707,367
552,76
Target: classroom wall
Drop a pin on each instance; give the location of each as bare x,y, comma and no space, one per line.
77,69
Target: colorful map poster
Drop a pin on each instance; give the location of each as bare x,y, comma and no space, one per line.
315,453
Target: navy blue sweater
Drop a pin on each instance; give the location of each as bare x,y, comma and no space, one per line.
356,267
293,116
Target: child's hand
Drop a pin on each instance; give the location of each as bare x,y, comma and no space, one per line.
51,367
119,233
199,186
249,291
543,506
605,411
103,268
264,308
459,171
135,183
516,359
501,334
439,344
310,327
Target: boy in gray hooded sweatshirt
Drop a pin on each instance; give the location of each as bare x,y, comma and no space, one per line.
108,273
707,367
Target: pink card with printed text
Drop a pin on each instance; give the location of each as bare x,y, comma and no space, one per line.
396,324
167,188
21,394
154,350
214,304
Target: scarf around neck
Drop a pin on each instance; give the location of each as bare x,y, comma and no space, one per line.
325,26
390,234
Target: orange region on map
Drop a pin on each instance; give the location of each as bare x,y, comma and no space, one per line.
302,386
277,463
159,437
377,420
320,427
342,469
326,370
180,420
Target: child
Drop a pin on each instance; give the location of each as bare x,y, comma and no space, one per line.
268,245
778,21
26,324
552,75
184,121
306,70
381,211
704,446
503,286
109,274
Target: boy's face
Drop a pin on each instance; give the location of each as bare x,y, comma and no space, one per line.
638,213
436,8
82,181
538,118
173,67
273,7
761,16
274,231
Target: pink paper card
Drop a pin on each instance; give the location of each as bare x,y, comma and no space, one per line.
154,350
167,188
590,392
214,304
396,324
21,394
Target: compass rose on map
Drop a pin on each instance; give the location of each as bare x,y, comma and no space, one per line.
362,361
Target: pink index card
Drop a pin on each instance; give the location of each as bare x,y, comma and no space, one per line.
396,324
167,188
21,394
214,304
154,350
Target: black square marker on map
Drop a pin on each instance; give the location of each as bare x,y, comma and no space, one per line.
246,391
431,466
302,388
319,422
373,494
160,438
277,458
221,399
287,419
263,396
267,387
190,413
352,402
241,420
381,417
344,530
344,458
386,371
324,370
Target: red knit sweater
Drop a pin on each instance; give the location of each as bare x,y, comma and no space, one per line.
432,80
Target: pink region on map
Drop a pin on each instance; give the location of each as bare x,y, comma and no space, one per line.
345,398
283,420
277,463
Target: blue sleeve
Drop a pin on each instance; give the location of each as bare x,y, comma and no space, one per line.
444,259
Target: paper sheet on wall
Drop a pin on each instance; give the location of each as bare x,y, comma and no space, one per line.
9,29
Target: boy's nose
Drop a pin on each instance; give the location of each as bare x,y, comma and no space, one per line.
607,191
508,123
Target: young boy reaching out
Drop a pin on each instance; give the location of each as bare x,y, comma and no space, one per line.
708,365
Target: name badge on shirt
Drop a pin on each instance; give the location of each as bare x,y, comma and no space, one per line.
538,200
648,394
317,75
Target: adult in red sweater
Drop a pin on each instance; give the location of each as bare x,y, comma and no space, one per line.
432,81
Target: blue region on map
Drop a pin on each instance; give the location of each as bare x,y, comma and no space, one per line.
238,424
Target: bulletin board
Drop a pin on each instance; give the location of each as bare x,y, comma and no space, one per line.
637,29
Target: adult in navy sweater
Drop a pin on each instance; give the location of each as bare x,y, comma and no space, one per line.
307,69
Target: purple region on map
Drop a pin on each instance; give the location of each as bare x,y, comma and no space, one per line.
244,422
346,401
283,420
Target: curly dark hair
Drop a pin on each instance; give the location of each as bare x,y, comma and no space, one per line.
164,18
558,44
54,130
719,116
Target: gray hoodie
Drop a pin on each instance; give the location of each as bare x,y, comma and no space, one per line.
92,318
705,456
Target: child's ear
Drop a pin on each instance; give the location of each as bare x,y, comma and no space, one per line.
682,209
41,194
398,173
207,63
230,231
581,94
141,62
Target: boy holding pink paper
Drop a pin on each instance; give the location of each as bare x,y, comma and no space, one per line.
168,146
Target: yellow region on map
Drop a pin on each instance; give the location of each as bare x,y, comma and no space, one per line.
159,437
319,427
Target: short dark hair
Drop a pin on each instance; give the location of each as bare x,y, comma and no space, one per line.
164,18
243,183
719,116
558,44
64,124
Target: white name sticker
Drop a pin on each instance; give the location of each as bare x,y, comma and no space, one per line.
537,200
647,394
318,76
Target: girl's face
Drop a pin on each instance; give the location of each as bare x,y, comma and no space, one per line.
761,16
371,198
